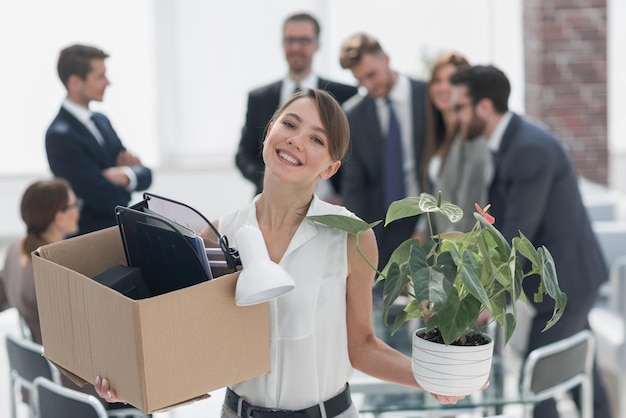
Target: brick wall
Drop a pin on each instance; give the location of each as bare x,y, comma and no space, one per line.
565,46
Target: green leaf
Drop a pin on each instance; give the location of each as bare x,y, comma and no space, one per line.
509,327
452,235
526,248
457,315
345,223
550,283
501,244
405,208
394,284
434,283
401,318
472,281
454,254
499,303
400,255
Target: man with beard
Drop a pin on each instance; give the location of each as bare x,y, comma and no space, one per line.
383,163
390,96
534,189
300,42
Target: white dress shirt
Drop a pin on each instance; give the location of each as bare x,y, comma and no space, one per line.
309,82
84,116
493,143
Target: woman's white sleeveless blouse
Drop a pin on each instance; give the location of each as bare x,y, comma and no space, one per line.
308,336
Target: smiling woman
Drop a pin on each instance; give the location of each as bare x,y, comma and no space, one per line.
300,135
325,323
306,140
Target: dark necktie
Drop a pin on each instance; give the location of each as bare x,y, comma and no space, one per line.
100,129
296,89
393,172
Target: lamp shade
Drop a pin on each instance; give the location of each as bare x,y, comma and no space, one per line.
261,279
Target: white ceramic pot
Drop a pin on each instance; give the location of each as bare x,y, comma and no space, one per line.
450,369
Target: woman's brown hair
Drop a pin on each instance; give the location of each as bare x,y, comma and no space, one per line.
436,136
40,203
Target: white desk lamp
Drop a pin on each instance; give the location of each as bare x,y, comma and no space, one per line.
261,279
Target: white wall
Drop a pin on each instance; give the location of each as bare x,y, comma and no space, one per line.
32,34
211,53
180,70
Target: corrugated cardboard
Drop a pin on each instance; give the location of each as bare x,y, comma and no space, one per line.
156,352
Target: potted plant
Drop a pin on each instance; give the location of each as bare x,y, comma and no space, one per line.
449,280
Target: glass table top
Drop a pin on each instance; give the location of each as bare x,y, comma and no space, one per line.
375,396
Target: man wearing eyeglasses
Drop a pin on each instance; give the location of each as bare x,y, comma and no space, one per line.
534,191
300,42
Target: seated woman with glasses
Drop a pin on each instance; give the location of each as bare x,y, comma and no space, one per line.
50,211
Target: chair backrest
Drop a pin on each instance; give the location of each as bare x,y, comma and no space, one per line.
52,400
25,329
9,324
558,367
27,360
611,236
617,283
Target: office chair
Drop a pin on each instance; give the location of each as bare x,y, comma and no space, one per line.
26,362
558,367
52,400
9,324
25,329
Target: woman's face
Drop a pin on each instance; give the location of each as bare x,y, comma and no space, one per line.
296,145
68,216
440,88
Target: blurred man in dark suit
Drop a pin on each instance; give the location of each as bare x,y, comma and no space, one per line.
375,175
83,147
300,42
534,190
387,131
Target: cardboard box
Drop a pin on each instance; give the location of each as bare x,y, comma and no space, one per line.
156,352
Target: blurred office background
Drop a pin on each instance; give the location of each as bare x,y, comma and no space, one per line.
181,70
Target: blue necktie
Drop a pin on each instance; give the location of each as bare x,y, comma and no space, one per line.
393,172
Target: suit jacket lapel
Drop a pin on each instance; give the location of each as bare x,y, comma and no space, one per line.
103,126
274,97
86,136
